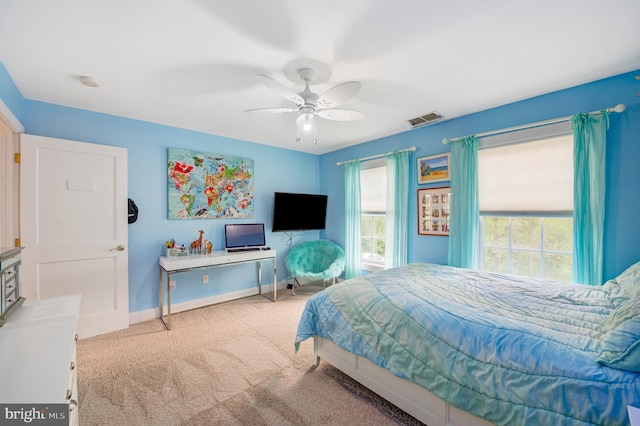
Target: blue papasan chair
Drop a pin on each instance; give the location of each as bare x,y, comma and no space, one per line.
320,260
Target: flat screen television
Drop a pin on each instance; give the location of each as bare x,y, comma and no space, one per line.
299,212
243,236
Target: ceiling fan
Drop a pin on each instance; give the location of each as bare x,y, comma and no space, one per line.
310,104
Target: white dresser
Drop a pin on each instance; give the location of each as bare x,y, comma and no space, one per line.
9,281
38,354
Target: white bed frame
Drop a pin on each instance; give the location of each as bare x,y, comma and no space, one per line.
417,401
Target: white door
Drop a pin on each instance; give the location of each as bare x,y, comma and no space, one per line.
73,222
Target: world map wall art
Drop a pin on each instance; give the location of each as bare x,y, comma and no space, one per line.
208,186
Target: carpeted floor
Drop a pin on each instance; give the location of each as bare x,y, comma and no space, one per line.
226,364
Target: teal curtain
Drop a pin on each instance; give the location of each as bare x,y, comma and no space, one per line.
589,186
352,218
465,211
397,229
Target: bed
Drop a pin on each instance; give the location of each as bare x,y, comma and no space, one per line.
454,346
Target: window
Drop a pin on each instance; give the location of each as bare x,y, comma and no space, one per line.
525,185
532,246
373,192
372,240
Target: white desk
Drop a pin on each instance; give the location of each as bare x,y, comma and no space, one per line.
175,264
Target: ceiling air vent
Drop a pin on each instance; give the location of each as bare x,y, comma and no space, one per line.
432,117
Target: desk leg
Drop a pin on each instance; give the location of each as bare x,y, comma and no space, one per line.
169,324
169,301
161,297
275,282
275,286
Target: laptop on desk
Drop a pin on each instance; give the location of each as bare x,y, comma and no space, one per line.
244,237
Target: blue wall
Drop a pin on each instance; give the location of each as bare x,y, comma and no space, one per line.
622,227
147,145
10,94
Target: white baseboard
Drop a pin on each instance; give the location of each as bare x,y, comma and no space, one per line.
154,313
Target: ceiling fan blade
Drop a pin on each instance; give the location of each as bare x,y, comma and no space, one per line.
338,94
272,110
281,89
340,114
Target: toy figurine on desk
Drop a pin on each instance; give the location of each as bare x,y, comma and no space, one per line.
207,247
196,246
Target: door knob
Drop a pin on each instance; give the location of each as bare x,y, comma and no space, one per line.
119,248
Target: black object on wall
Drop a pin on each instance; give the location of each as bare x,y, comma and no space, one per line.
133,211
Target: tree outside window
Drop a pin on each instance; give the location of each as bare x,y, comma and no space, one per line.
373,235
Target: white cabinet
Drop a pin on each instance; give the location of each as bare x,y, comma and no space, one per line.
38,354
9,281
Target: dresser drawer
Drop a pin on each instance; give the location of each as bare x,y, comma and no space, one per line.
9,283
9,262
9,290
72,379
71,396
10,273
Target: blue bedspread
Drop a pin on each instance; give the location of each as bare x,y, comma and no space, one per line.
508,349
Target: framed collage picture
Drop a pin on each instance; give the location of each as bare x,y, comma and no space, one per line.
433,211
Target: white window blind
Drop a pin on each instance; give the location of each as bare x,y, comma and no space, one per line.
529,177
373,190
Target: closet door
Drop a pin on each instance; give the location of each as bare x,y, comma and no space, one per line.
73,221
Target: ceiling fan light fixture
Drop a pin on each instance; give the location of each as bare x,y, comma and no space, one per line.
309,104
306,123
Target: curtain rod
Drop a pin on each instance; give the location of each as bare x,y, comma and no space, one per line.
372,157
617,108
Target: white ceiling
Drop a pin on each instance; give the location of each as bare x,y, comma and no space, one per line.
193,63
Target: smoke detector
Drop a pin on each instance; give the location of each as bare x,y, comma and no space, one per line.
88,81
423,120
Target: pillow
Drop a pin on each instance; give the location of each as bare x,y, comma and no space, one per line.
625,286
621,342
